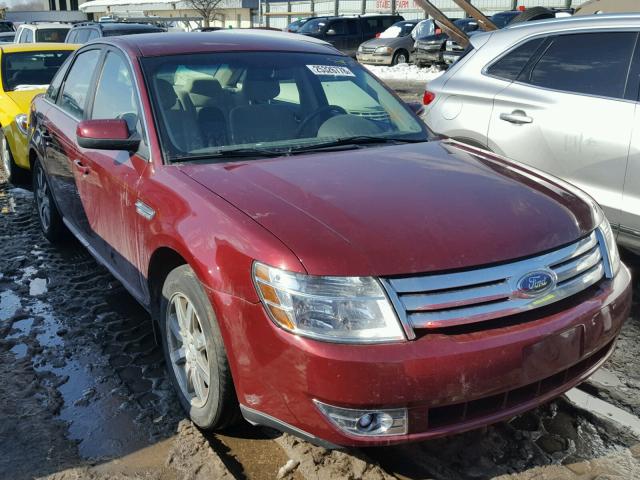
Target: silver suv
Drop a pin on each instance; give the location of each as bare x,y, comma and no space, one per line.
560,95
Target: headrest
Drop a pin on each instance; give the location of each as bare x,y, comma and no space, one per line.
208,87
166,94
258,86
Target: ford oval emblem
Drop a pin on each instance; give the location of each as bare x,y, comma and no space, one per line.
536,283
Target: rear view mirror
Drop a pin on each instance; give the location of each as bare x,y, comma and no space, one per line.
106,135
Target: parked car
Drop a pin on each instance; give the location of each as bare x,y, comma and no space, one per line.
347,33
39,32
26,71
559,95
87,31
216,181
395,44
207,29
7,31
429,50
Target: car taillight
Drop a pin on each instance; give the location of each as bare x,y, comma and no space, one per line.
428,97
438,31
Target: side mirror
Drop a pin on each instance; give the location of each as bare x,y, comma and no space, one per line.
106,135
416,107
331,31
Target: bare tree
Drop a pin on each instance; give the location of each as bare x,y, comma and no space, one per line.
206,8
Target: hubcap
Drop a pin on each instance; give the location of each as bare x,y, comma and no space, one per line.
42,199
402,59
188,350
6,162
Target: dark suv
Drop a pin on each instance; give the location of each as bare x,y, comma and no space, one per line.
86,31
347,33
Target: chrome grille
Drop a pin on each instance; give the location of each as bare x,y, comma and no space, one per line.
368,49
443,300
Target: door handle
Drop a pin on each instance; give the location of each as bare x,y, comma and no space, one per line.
81,167
517,116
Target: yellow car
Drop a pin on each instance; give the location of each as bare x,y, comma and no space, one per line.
26,70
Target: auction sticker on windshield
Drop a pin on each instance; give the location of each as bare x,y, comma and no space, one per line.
331,70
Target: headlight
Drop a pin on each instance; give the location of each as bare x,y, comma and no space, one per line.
360,48
384,51
613,256
335,309
21,122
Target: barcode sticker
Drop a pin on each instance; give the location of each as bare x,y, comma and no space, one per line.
331,70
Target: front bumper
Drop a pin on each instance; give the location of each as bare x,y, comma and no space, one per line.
428,56
372,59
18,145
449,381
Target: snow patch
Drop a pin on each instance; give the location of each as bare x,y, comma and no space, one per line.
405,71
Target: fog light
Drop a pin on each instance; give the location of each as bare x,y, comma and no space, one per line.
368,423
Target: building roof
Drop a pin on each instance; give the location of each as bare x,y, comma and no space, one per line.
608,6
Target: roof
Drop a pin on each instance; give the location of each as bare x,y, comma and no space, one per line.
174,43
40,25
36,47
576,23
119,26
608,6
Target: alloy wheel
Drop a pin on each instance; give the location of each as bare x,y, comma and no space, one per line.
188,350
42,199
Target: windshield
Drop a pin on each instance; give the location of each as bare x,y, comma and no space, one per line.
23,70
51,34
313,26
399,29
275,102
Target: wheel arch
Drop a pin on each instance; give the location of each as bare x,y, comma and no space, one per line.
163,260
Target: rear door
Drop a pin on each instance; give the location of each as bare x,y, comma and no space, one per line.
567,113
63,159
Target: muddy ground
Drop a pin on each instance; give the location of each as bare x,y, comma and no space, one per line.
83,395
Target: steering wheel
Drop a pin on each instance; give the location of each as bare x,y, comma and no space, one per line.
333,109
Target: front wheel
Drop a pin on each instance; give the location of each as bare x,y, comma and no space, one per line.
50,220
401,56
11,171
194,352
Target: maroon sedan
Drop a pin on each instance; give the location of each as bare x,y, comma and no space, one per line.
313,262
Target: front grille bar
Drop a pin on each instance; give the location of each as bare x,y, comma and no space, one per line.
444,300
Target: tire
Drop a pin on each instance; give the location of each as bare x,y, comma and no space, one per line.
401,56
49,217
533,13
12,172
194,352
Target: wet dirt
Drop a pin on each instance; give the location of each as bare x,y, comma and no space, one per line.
83,394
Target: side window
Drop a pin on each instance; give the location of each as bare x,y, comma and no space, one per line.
510,65
20,35
27,36
76,86
71,38
116,94
352,27
587,63
338,26
370,25
56,82
388,21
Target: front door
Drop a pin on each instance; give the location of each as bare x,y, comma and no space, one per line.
108,189
567,114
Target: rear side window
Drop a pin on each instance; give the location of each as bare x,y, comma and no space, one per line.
27,36
93,33
71,37
82,35
76,86
511,65
589,63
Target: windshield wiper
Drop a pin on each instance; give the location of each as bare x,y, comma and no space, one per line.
231,153
352,142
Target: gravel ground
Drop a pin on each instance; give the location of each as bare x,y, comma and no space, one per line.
83,395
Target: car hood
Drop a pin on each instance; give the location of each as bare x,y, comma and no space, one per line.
401,209
385,42
22,98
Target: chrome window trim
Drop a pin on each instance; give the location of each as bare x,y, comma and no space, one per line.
476,295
